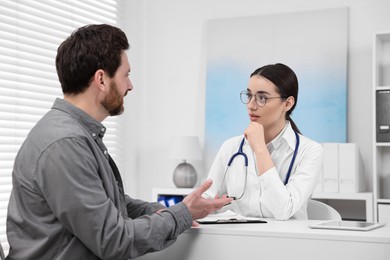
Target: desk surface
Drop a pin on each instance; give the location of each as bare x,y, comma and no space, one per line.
297,229
291,239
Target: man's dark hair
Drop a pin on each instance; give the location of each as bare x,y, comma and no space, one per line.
87,50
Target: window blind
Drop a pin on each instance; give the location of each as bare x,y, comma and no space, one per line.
30,33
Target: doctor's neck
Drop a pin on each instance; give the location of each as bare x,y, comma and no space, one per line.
272,131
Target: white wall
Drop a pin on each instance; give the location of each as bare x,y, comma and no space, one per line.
167,59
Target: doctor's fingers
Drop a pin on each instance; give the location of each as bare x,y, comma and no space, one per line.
254,129
255,135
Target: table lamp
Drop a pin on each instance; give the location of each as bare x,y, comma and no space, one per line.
185,148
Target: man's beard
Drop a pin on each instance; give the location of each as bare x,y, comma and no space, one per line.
113,103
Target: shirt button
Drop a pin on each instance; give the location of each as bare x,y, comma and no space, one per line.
103,129
105,152
93,134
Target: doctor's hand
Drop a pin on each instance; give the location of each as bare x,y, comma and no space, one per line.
254,133
200,207
255,136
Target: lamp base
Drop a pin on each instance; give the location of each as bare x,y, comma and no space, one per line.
185,176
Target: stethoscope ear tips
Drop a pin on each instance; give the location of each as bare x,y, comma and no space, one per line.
234,198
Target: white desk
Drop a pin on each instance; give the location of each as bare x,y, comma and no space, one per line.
291,239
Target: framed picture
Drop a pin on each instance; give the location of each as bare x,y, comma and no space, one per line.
313,43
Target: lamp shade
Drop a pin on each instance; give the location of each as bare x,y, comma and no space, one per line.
185,148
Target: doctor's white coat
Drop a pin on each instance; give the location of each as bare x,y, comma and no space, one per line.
266,195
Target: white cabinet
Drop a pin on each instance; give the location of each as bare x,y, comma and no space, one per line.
384,213
381,124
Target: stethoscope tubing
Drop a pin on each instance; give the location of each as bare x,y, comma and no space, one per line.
240,152
293,158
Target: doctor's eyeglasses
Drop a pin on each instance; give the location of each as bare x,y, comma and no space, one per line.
261,99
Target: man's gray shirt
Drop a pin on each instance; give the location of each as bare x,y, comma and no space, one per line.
66,204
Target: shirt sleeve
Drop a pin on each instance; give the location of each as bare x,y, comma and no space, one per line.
284,201
67,175
137,208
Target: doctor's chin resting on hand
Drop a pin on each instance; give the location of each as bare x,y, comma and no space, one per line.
270,170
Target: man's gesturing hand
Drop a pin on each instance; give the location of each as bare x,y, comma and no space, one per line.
201,207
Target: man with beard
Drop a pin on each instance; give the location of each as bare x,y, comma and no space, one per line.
68,200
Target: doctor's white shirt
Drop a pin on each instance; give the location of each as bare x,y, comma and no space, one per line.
266,195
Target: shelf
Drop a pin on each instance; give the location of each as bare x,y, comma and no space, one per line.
384,144
383,36
174,191
381,151
384,201
379,88
382,59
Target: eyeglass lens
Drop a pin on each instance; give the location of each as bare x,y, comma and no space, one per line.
246,97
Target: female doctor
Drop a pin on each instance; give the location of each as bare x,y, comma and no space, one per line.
283,166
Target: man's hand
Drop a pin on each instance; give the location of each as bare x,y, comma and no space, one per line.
201,207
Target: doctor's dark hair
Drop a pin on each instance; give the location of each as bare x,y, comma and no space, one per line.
87,50
286,82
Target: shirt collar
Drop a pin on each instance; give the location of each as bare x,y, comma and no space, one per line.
287,134
95,128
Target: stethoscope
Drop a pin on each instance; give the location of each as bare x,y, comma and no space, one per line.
241,152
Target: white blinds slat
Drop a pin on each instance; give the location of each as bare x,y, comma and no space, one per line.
10,83
31,31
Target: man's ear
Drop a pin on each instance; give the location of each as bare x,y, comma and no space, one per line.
100,80
289,103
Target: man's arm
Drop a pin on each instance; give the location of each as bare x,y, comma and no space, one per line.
68,177
137,208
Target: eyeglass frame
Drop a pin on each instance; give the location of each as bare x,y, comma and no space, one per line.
248,93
